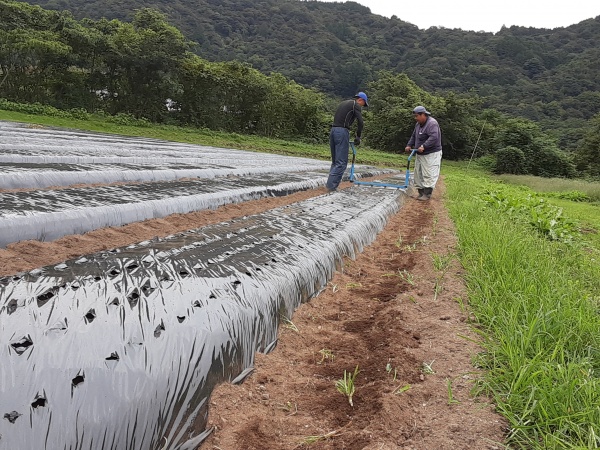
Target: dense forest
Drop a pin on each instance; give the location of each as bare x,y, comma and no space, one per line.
284,81
549,76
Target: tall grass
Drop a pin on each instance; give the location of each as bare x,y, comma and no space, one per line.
537,303
556,185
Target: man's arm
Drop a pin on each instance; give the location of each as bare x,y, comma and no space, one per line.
411,141
360,121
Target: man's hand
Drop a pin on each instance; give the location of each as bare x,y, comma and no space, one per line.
407,149
421,149
356,140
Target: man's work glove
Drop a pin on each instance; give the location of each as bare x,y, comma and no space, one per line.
356,140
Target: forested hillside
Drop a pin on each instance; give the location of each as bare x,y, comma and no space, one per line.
143,70
550,76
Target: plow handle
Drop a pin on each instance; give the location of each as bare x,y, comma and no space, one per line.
407,178
351,178
412,153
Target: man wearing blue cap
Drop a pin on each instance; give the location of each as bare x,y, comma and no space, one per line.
339,138
427,139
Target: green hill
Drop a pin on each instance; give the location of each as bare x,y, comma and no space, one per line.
549,76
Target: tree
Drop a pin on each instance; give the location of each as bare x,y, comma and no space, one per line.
510,160
588,153
141,60
542,156
392,98
460,126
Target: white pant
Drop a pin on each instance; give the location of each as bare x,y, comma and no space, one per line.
427,170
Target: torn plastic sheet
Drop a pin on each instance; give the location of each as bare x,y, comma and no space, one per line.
50,214
122,349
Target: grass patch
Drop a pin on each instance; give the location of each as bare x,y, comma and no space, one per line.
566,187
536,303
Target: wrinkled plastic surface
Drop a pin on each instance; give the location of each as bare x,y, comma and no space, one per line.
40,158
121,349
65,158
43,146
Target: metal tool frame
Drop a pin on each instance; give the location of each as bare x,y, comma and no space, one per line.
377,183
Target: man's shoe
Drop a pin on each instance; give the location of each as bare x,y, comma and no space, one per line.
423,197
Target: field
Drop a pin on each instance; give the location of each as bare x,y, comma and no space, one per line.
393,301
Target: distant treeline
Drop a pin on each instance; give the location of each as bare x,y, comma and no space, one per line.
145,69
138,68
549,76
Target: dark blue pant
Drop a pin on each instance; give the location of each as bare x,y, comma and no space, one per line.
339,143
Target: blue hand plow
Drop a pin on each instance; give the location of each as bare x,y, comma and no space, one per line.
377,183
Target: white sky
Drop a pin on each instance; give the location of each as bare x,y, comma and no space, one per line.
490,15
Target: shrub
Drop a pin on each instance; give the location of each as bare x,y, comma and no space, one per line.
486,162
574,196
128,120
510,160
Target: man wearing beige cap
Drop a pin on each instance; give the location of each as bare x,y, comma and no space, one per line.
427,139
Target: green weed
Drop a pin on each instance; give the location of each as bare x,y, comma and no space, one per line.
389,369
401,389
533,291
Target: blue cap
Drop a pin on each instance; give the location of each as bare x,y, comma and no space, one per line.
421,110
364,97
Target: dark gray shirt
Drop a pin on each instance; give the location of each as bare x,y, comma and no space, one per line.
345,115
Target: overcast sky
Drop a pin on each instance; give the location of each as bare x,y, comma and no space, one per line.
478,15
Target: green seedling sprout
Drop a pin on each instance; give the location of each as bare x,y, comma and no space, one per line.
346,385
326,354
451,399
389,368
428,367
287,323
398,242
438,287
401,389
442,262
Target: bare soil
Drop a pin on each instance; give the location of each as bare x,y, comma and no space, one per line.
390,313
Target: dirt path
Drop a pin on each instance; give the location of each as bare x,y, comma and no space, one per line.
390,313
399,320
